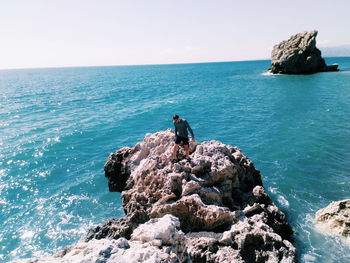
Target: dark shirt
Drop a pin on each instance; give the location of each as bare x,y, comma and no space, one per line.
181,128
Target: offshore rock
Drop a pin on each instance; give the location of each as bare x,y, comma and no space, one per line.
211,208
299,55
335,219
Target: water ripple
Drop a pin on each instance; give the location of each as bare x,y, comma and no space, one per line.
59,125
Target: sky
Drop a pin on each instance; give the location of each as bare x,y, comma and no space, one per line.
60,33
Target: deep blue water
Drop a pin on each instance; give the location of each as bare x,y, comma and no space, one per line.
58,126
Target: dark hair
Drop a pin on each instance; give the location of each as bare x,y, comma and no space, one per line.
175,117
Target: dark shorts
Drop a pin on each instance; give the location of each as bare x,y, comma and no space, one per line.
179,139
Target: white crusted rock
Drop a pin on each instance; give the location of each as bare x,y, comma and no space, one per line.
164,229
156,241
335,219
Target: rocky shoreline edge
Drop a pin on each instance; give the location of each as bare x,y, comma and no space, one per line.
211,208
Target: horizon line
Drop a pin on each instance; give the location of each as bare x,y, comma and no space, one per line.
130,65
146,64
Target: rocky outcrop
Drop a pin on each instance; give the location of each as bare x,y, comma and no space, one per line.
335,219
299,55
211,208
217,197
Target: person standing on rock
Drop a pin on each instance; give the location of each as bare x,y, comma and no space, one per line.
181,135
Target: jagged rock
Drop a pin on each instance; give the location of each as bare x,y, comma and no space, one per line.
201,193
158,240
248,240
194,214
115,166
218,188
261,203
335,219
299,55
212,208
113,228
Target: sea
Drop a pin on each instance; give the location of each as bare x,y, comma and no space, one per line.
58,126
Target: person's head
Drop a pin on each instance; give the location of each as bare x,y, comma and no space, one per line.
176,118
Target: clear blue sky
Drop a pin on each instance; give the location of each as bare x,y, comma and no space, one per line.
52,33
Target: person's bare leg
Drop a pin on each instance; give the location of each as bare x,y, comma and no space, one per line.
176,146
187,151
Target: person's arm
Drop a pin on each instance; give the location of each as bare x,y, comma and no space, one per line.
175,130
189,128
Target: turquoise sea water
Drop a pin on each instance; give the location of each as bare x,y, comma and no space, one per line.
57,127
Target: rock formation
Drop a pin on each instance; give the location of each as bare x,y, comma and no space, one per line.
158,240
212,208
299,55
217,196
335,219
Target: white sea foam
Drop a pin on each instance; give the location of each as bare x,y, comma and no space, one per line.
324,229
280,198
22,163
2,172
283,201
27,234
38,154
71,199
273,190
43,174
54,139
267,73
309,258
58,230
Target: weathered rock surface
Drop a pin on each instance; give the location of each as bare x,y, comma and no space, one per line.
158,240
217,196
248,240
212,208
202,193
299,55
335,219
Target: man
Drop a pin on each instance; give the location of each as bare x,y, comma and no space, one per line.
181,135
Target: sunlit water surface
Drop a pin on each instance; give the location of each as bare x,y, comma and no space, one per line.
57,127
